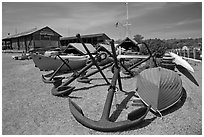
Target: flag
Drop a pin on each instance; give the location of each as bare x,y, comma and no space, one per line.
116,25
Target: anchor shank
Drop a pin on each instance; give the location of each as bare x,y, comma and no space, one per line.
119,80
137,64
56,71
109,99
107,106
77,74
64,62
126,69
92,58
96,71
117,68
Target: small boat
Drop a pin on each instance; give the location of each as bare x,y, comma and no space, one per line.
159,87
180,61
48,63
51,52
22,57
132,56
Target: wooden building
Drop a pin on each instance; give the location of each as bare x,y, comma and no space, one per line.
44,38
129,45
92,39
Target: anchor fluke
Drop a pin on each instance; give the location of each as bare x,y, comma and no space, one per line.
104,125
62,90
74,105
84,80
50,81
45,80
135,114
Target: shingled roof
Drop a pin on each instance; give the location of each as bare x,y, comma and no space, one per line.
86,36
127,43
78,48
28,32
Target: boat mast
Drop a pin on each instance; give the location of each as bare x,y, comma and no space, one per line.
127,23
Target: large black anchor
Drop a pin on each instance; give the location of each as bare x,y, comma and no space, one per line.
52,78
151,55
111,64
105,124
61,89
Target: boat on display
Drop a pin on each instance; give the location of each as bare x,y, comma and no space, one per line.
180,61
22,57
159,87
72,58
48,63
132,56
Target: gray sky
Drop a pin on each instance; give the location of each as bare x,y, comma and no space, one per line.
151,20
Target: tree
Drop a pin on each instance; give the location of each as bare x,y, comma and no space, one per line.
138,38
118,41
155,45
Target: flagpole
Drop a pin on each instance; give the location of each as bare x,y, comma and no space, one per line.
127,10
127,20
127,23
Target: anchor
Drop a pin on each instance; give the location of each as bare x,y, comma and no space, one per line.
101,48
144,60
61,89
128,70
52,78
105,124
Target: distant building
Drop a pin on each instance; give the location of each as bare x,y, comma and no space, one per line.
129,45
44,38
92,39
78,49
185,48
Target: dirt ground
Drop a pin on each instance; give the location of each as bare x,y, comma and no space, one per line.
29,108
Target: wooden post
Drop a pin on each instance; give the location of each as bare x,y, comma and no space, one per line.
18,43
194,53
11,44
25,42
188,53
184,53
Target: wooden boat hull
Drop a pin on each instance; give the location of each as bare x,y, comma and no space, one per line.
45,63
22,57
159,87
132,56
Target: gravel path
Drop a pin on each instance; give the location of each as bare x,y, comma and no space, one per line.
29,108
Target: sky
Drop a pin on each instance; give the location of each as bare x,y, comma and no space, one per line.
149,19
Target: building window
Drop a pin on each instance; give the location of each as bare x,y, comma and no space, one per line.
45,37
